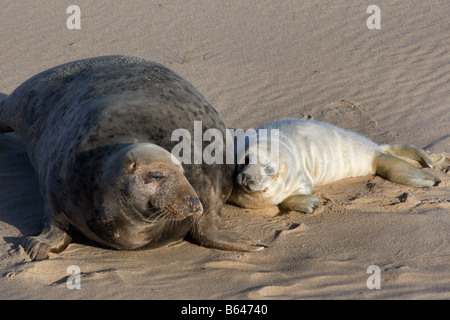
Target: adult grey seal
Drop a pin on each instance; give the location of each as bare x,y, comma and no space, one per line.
311,153
98,133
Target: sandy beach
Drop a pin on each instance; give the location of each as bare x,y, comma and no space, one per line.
255,61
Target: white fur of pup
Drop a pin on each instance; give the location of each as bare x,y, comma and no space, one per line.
314,153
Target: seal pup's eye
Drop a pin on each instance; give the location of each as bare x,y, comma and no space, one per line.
153,176
269,170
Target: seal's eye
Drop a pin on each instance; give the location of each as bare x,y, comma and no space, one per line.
153,176
269,170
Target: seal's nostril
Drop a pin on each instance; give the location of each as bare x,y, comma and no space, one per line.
246,177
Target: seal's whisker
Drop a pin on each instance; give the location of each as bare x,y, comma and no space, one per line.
155,215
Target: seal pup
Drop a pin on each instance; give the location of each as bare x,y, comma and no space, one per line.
98,133
312,153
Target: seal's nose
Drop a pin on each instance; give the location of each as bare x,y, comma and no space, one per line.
246,178
194,204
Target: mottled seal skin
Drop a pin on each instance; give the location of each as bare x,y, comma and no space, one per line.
98,133
312,153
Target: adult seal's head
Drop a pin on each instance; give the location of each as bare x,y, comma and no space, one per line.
144,179
145,184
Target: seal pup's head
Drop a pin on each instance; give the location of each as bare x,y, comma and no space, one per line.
147,182
261,171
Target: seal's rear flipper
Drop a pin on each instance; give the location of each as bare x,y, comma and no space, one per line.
399,171
409,153
437,158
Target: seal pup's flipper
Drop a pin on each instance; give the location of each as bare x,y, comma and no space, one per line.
399,171
437,158
53,238
306,203
411,154
213,235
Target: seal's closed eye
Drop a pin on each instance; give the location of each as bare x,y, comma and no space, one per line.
153,176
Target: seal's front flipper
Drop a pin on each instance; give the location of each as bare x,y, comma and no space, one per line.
399,171
211,235
54,238
50,240
306,203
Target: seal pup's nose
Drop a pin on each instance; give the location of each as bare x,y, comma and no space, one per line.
245,178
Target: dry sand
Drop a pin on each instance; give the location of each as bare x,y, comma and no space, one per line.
256,61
